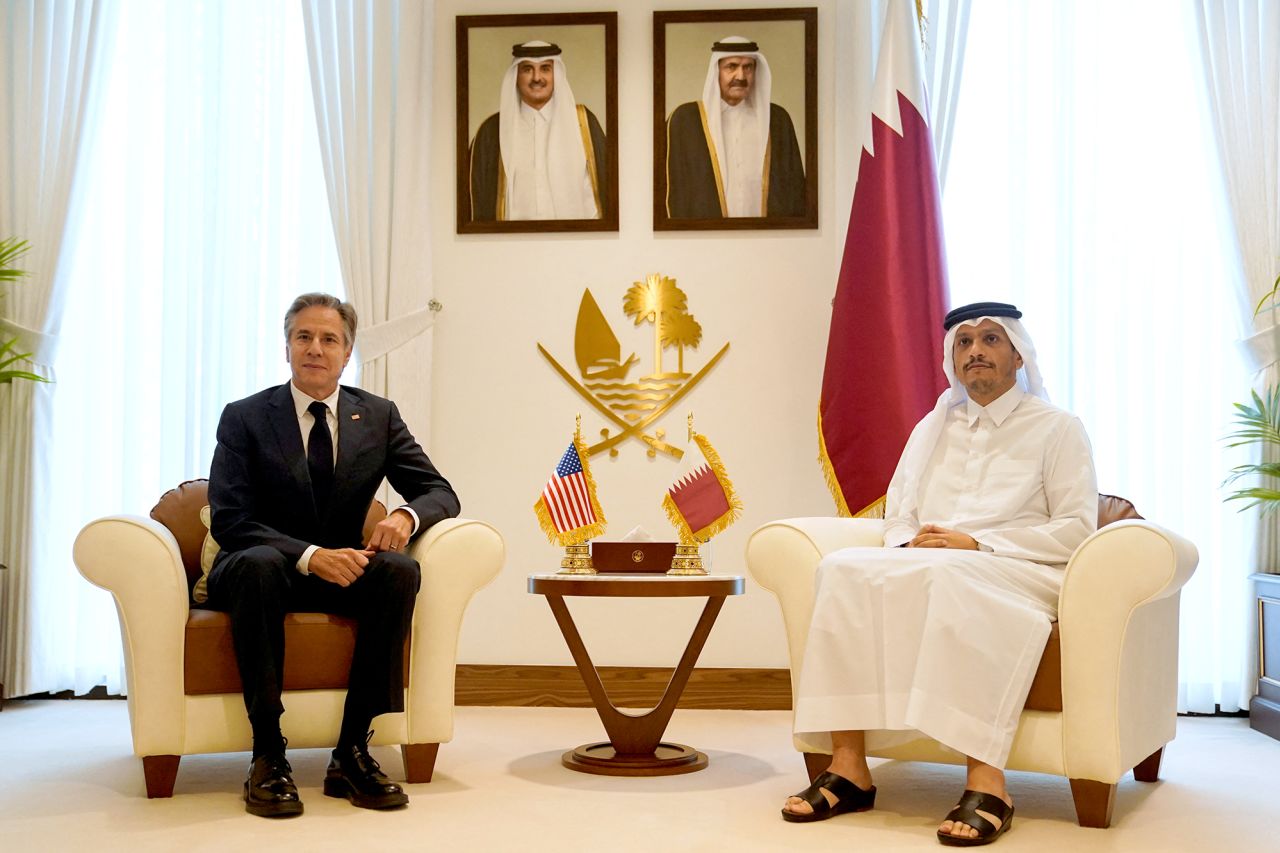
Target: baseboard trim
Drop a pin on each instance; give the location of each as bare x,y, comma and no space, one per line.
1264,716
627,686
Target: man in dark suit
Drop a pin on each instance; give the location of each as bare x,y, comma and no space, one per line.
294,472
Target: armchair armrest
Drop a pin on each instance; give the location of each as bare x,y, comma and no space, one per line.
458,556
137,560
1118,617
783,557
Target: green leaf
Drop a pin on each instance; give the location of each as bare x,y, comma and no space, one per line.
9,356
1259,423
11,248
1261,469
1257,309
1268,499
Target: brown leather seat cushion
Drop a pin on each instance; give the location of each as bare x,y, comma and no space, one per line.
318,646
317,656
1046,688
179,510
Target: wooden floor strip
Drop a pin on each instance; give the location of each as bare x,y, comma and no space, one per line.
634,687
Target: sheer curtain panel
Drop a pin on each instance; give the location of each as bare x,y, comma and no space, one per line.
204,215
50,62
1240,60
1077,191
371,78
946,34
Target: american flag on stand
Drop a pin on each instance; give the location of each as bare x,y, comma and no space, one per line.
567,509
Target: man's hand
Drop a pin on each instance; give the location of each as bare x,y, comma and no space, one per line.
933,536
338,565
392,533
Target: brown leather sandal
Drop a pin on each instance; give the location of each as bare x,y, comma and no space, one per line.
966,812
849,798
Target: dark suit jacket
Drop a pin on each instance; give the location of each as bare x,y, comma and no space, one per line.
260,487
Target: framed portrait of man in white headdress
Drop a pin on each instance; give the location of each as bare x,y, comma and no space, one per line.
537,117
735,125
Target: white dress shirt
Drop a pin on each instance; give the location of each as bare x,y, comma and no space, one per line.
530,192
301,402
1017,475
742,178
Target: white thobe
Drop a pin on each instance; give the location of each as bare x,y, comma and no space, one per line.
530,192
742,177
946,642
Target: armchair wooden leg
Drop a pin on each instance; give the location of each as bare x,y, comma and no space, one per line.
160,771
816,764
1094,801
1148,770
419,761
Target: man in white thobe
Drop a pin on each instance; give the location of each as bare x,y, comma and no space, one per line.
542,155
941,631
734,153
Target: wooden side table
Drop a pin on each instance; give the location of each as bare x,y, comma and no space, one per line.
635,746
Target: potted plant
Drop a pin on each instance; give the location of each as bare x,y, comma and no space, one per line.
10,250
1258,423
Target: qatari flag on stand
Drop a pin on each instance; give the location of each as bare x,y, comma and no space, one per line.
702,501
884,353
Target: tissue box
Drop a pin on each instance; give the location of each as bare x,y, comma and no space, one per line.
611,557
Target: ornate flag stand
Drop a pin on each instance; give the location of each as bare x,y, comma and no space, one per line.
577,560
687,561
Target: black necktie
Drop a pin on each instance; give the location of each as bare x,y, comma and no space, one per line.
320,455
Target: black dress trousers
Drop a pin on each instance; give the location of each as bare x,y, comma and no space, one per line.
259,585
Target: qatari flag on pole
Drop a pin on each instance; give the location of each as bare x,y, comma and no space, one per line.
884,353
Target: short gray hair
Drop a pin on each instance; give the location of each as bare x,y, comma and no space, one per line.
345,310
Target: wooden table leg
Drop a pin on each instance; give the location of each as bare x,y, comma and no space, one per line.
635,746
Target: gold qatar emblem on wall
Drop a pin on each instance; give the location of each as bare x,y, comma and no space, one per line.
634,405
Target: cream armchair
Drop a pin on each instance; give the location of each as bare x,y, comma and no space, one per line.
1104,698
183,684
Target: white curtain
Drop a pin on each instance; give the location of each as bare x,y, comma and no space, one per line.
1240,57
1079,190
946,33
50,57
204,215
372,80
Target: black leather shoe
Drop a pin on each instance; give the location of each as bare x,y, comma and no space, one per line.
269,791
355,775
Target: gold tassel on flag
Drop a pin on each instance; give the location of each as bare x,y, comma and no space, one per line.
875,509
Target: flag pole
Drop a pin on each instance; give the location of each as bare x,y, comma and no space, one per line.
687,560
577,557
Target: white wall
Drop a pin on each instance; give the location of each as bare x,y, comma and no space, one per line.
501,416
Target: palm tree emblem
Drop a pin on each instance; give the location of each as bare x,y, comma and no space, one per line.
633,405
681,331
655,300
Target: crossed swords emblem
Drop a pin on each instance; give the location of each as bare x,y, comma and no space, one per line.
656,300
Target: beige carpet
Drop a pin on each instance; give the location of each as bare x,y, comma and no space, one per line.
69,781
